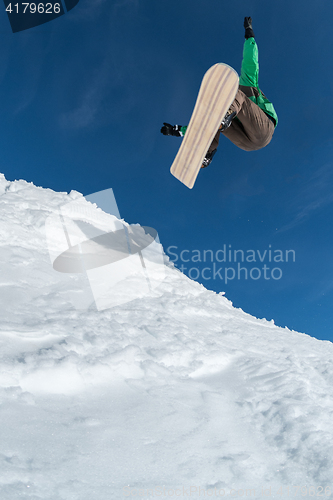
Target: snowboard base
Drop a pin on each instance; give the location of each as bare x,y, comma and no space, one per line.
216,94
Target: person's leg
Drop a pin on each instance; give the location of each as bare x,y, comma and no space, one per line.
251,129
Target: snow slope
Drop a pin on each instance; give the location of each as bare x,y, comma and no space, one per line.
174,394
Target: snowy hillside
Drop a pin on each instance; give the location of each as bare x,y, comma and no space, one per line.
173,394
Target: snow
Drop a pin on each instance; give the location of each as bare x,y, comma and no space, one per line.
173,394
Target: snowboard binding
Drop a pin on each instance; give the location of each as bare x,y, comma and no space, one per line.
208,159
226,122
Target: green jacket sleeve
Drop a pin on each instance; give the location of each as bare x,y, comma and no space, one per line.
250,64
250,77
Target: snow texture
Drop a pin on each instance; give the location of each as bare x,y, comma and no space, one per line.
174,394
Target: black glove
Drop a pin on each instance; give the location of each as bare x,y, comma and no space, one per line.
248,27
174,130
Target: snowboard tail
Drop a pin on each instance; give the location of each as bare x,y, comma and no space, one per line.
217,92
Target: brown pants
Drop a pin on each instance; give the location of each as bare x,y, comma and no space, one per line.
253,129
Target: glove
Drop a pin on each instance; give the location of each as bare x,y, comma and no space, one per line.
174,130
248,27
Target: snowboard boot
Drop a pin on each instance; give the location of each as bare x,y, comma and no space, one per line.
208,158
226,122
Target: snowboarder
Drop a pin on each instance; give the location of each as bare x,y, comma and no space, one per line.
251,119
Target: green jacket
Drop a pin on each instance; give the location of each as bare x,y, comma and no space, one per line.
250,75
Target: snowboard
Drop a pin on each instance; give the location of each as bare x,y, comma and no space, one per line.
217,92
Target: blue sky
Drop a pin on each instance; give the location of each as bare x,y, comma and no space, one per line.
83,99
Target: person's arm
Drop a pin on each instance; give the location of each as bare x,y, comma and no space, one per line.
250,64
